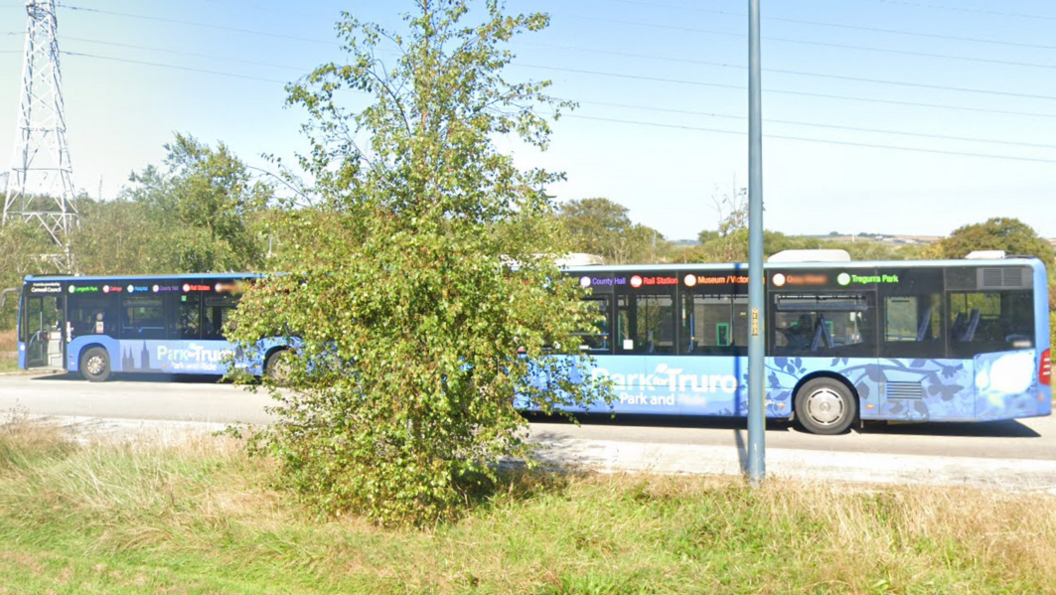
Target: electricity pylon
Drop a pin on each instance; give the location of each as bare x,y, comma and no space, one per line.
40,184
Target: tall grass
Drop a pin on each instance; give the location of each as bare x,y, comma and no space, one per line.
8,350
198,517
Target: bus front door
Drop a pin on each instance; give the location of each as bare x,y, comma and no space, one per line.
42,332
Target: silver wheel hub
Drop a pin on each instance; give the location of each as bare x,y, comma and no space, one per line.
825,406
94,365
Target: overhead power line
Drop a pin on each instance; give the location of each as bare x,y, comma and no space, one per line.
615,53
675,126
186,53
818,125
602,19
983,11
794,72
820,43
843,25
813,140
625,54
603,103
174,67
786,92
194,24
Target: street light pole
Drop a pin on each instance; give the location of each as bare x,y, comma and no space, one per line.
757,338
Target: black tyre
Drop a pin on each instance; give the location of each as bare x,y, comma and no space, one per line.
95,365
825,406
277,366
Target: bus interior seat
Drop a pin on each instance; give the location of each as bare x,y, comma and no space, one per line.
958,325
925,322
822,337
964,327
1017,338
973,324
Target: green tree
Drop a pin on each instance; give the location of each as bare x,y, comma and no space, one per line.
1000,233
865,249
603,227
207,201
414,278
121,237
21,247
729,242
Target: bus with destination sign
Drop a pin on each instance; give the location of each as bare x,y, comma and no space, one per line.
98,326
845,341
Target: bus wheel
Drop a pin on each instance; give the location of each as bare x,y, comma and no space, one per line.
277,368
825,406
95,365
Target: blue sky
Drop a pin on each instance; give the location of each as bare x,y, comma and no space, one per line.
662,93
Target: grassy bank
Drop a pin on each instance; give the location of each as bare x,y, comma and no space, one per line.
196,518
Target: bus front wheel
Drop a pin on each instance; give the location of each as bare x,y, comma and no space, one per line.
825,406
277,367
95,365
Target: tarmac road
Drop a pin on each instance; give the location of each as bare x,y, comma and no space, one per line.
1017,454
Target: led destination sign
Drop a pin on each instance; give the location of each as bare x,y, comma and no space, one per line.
38,288
782,279
588,281
849,279
84,289
640,281
692,280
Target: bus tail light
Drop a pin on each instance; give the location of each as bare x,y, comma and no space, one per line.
1045,373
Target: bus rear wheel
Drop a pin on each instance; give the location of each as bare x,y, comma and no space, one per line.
95,365
825,406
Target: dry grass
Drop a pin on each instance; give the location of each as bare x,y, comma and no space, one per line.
8,350
197,517
8,341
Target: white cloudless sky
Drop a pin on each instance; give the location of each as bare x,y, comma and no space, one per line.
882,116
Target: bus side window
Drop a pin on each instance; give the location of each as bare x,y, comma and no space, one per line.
990,321
597,342
823,324
143,317
218,310
91,315
190,316
713,324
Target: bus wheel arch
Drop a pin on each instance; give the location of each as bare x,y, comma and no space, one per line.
95,363
825,403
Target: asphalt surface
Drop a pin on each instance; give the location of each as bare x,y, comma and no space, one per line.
1017,454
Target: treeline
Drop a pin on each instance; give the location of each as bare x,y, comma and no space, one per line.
601,226
204,210
201,210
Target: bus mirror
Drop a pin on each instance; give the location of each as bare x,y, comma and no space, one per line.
3,294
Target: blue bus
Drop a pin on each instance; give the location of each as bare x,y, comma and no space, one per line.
98,326
845,341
